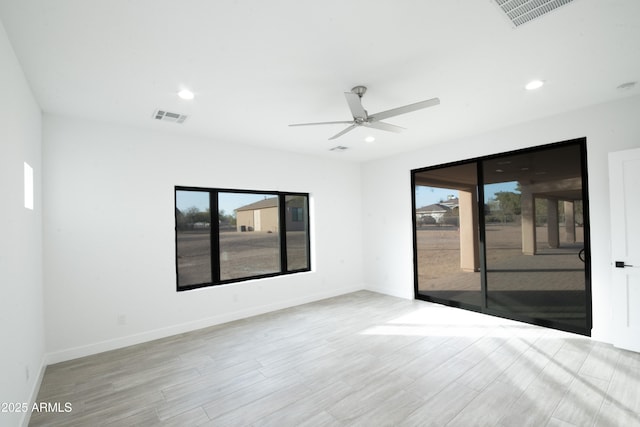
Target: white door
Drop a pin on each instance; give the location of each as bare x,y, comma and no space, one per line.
624,185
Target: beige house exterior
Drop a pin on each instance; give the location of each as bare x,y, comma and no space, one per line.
258,216
263,215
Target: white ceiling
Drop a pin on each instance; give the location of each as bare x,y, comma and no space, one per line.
256,66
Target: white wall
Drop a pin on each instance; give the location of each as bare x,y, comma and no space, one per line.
21,323
388,257
108,225
109,232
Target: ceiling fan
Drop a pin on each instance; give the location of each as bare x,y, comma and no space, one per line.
362,118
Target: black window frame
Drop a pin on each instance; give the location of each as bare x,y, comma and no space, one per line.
215,232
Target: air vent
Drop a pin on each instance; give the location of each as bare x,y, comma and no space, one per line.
522,11
167,116
339,148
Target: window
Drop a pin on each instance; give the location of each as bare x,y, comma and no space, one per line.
297,234
250,244
28,186
256,234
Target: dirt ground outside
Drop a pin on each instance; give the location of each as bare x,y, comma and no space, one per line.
550,269
242,254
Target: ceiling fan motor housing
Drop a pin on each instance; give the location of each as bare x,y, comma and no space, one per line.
359,90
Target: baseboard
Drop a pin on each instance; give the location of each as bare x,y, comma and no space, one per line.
34,391
100,347
390,291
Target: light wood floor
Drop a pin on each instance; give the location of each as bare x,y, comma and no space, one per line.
359,359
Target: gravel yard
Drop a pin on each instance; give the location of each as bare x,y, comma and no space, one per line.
439,261
241,254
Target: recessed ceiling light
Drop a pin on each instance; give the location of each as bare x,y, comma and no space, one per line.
186,94
369,139
534,84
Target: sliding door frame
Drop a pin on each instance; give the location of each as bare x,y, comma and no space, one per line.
483,307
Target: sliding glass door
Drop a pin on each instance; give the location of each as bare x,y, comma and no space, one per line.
533,238
446,234
522,252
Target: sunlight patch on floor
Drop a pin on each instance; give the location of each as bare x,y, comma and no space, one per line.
438,320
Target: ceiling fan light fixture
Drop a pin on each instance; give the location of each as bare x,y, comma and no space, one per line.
534,84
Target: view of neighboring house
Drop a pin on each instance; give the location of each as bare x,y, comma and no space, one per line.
296,214
258,216
263,215
451,202
436,212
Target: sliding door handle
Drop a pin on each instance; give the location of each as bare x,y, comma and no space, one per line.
621,264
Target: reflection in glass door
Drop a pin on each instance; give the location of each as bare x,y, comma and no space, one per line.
534,235
507,235
446,218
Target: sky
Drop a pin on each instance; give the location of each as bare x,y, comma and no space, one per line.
227,201
426,196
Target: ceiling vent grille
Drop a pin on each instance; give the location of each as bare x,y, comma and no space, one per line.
167,116
522,11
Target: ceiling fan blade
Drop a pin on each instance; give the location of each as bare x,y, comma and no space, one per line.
339,134
355,105
406,109
322,123
384,126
